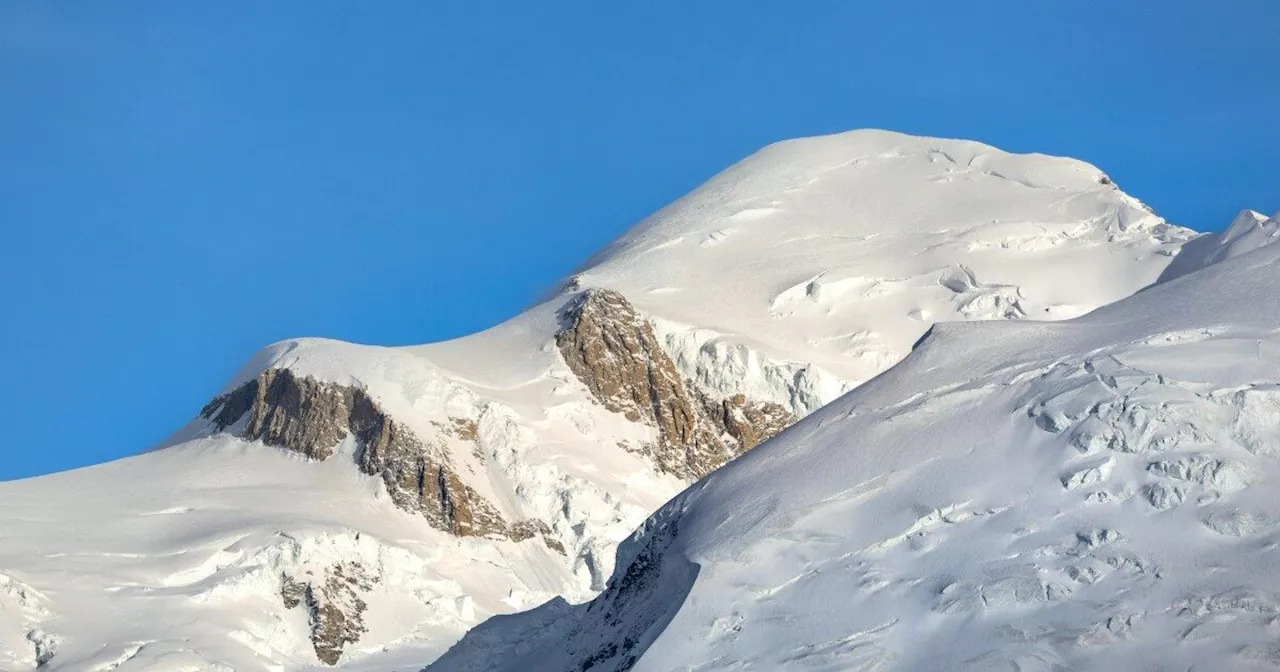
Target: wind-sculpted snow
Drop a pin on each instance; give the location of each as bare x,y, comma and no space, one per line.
1248,231
1095,494
839,251
500,471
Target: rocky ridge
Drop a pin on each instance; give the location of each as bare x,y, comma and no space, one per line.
312,418
608,346
783,283
615,353
603,340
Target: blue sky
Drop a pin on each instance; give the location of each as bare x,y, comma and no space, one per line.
182,183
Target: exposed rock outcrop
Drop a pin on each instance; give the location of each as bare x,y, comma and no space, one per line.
615,353
748,422
532,527
312,418
334,607
302,415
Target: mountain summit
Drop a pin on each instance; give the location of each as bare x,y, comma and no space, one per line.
1094,494
363,506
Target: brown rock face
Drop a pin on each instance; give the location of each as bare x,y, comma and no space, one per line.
748,422
615,353
311,417
532,527
334,607
307,418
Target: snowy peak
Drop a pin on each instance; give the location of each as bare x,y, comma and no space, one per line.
1248,219
1094,494
845,244
1249,223
708,328
1248,231
363,506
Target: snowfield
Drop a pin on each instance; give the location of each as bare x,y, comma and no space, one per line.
839,251
1101,493
987,500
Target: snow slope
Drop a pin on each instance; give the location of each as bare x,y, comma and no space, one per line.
1096,494
1248,231
839,251
788,279
172,560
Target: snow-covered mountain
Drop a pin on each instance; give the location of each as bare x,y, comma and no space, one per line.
362,506
1101,493
1248,231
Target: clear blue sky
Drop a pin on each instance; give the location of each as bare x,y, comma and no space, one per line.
182,183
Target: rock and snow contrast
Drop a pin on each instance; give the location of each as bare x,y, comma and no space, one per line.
363,507
1101,493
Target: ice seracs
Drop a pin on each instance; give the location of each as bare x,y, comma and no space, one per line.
1093,494
364,506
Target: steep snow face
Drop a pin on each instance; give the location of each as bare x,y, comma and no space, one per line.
1248,231
1100,493
373,503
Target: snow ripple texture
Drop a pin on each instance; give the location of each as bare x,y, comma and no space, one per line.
1096,494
